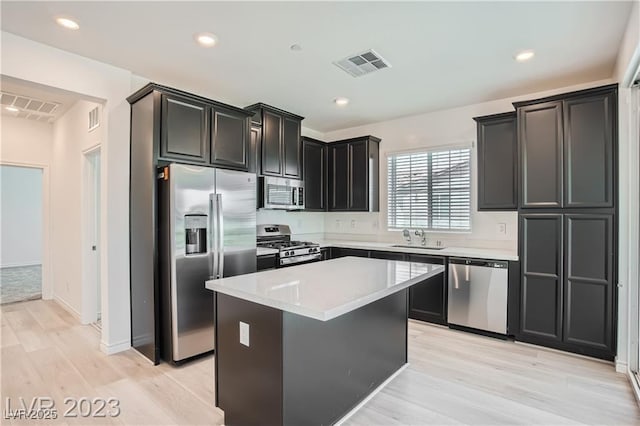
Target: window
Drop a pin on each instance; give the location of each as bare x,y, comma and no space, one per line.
430,190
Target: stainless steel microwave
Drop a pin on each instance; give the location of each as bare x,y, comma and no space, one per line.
282,193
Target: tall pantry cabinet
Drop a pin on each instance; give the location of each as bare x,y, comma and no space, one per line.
567,220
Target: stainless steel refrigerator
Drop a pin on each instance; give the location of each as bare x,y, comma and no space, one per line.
207,230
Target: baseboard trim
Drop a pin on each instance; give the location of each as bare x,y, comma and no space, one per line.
622,367
67,307
635,385
20,265
114,348
362,403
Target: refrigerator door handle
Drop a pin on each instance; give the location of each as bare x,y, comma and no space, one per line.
220,233
213,224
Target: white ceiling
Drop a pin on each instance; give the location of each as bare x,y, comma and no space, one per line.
443,54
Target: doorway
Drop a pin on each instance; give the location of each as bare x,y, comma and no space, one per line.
92,289
21,230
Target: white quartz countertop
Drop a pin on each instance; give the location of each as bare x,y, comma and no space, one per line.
481,253
326,290
263,251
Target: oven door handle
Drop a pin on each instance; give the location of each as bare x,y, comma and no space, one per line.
300,259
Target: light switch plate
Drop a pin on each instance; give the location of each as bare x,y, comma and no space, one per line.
244,333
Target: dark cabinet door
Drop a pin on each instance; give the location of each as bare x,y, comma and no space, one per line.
428,299
497,162
255,136
339,177
291,147
342,252
314,155
358,175
589,131
266,262
229,144
589,282
271,144
387,255
184,134
540,143
541,283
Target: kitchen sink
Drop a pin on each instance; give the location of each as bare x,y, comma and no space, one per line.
419,247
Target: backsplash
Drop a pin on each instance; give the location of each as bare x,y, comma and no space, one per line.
487,228
304,225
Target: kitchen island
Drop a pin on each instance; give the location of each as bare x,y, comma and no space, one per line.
308,343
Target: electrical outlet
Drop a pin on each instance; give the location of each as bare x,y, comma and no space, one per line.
244,333
353,223
337,223
375,224
502,228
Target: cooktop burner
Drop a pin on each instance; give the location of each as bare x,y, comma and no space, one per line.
279,245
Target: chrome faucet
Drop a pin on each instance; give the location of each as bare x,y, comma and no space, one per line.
407,235
423,237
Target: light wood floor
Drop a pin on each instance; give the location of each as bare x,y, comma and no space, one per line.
453,378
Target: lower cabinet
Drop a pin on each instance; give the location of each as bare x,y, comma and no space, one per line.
342,252
568,284
266,262
428,299
388,255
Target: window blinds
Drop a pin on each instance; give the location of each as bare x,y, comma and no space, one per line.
430,190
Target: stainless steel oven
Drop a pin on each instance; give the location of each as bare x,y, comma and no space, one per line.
282,193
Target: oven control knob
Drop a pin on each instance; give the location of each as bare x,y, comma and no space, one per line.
286,253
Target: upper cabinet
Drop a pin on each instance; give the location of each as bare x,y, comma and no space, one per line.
354,174
497,162
229,137
567,149
195,130
184,129
279,141
314,174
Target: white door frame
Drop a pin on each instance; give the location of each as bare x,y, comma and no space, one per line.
90,267
47,279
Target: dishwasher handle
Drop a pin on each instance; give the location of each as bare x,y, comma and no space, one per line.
479,262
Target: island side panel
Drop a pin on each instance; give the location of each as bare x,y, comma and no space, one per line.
331,366
248,378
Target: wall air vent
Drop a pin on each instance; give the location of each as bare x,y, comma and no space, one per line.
363,63
29,108
94,118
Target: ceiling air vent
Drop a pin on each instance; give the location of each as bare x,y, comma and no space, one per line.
30,108
363,63
94,118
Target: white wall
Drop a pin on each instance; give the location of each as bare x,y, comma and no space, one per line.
25,141
36,62
440,128
70,139
20,216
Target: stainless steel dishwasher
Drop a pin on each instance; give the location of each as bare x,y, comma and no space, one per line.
478,294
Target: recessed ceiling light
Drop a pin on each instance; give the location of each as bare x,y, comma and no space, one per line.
524,56
206,39
67,23
12,109
341,101
295,47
